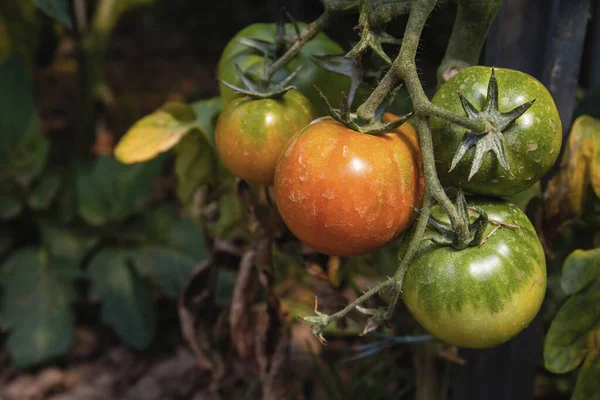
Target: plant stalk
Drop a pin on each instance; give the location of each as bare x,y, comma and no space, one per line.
471,26
307,34
404,68
413,246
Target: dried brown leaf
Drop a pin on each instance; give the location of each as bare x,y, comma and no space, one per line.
197,314
261,332
333,271
568,191
241,313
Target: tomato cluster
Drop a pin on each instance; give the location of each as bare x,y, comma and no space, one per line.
344,192
484,295
340,191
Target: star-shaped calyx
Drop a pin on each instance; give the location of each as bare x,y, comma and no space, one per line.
445,235
375,126
493,139
261,91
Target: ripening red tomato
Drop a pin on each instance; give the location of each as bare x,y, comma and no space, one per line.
344,192
251,133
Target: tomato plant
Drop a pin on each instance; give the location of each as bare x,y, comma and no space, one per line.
524,140
81,230
251,62
344,192
251,133
483,295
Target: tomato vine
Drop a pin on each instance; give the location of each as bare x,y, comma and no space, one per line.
461,52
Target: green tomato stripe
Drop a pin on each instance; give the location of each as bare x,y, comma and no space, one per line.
488,279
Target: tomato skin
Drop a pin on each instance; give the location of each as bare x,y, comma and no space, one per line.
251,133
251,61
481,296
532,143
346,193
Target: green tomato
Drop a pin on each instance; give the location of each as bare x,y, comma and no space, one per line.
481,296
251,62
531,143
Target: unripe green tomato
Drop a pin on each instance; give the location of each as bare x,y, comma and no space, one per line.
531,144
484,295
251,61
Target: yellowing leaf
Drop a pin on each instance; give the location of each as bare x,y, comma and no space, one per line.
150,136
569,192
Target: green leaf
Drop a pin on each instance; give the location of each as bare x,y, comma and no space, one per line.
112,191
188,238
565,345
195,166
67,244
231,215
586,387
66,203
6,240
44,191
10,205
207,112
23,151
20,30
57,9
17,108
36,305
155,133
168,228
169,268
224,287
126,299
179,247
580,268
196,162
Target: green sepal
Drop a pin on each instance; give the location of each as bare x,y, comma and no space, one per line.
256,90
446,236
493,139
376,126
371,37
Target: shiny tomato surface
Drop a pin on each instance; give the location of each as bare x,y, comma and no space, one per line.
251,133
344,192
481,296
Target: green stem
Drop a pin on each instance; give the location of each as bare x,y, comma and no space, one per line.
478,126
365,296
413,246
307,34
432,181
341,5
386,10
471,26
404,68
